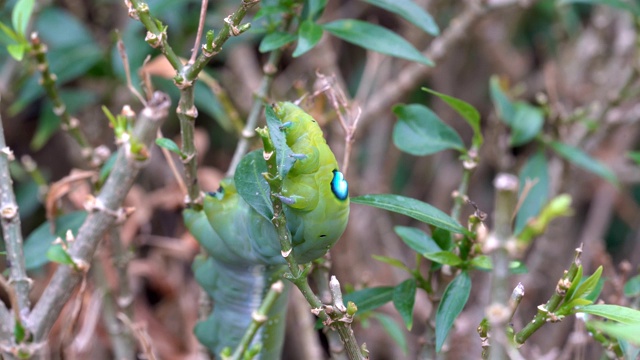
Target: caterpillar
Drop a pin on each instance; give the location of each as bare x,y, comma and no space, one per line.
244,250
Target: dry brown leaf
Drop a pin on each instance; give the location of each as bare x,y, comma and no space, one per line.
75,185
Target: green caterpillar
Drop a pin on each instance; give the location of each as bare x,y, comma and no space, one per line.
245,256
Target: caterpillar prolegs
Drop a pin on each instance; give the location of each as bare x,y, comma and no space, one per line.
243,247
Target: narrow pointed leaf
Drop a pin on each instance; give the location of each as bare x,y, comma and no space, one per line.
275,40
444,257
375,38
619,331
395,331
252,186
419,131
392,261
526,124
453,301
169,145
370,298
309,35
411,12
404,298
466,110
284,157
413,208
617,313
417,239
536,172
581,159
588,285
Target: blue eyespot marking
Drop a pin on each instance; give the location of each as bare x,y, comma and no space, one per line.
339,185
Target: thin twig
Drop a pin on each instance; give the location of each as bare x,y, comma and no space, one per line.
172,165
340,104
258,318
196,45
546,311
13,298
141,334
10,219
127,71
106,209
413,74
252,120
69,124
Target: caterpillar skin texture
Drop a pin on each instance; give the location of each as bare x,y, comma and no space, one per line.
244,249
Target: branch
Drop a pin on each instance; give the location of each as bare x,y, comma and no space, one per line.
270,69
106,210
498,312
413,74
48,80
10,219
258,318
545,311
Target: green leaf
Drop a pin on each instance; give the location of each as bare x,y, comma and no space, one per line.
284,157
535,171
617,313
313,9
169,145
309,35
526,124
19,332
442,238
574,283
571,306
504,106
419,131
587,286
411,12
59,255
581,159
370,298
404,297
106,168
39,241
207,102
453,300
635,156
275,40
416,209
395,331
252,186
375,38
9,32
392,261
466,110
444,257
20,16
629,6
619,331
482,262
417,239
632,287
16,51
